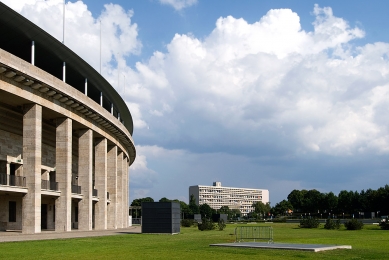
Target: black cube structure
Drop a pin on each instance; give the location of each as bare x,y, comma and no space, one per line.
161,217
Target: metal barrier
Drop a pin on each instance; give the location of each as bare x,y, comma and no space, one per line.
49,185
3,179
76,189
17,181
254,233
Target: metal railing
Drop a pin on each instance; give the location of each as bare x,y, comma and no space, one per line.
3,179
94,193
76,189
49,185
254,233
17,181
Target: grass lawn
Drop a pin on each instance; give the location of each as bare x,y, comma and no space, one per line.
368,243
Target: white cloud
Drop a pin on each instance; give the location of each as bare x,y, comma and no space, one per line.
18,5
179,4
142,179
270,80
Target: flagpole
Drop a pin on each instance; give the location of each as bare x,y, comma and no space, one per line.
100,46
63,31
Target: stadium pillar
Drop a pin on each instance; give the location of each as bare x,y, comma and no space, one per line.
120,190
63,173
101,182
85,157
112,186
32,159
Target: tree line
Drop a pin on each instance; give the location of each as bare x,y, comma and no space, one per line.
345,203
188,210
300,202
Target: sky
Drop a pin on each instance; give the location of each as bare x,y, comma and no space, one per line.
276,95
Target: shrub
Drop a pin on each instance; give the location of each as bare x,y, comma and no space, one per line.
279,220
206,224
187,222
331,224
309,223
384,224
221,224
353,224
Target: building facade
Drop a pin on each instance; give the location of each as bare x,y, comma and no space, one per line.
65,136
217,196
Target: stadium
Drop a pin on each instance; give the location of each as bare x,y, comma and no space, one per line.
65,136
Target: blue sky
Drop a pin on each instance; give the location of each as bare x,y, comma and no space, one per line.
278,95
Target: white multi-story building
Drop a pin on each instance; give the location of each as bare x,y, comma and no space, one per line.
217,196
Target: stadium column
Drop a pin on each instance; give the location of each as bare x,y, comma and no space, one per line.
125,192
119,203
101,183
112,186
32,159
63,173
8,171
85,157
128,187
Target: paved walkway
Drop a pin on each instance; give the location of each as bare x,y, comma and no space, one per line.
12,236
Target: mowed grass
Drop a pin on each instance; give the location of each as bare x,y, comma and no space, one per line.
369,243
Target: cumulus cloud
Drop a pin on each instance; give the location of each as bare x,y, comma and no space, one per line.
179,4
271,79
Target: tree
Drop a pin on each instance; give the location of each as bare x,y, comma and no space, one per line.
282,208
235,213
313,201
261,208
330,202
164,199
184,209
224,210
193,207
138,202
296,198
345,201
206,211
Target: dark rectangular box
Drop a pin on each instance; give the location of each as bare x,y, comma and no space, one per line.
161,217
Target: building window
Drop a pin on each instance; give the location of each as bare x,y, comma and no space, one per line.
12,211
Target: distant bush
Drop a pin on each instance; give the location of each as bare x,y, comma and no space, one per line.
309,223
187,222
353,224
221,224
206,224
331,224
279,220
384,224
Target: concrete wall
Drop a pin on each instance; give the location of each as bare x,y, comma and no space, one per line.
4,212
10,145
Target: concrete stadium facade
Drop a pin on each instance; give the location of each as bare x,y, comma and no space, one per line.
65,136
217,196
